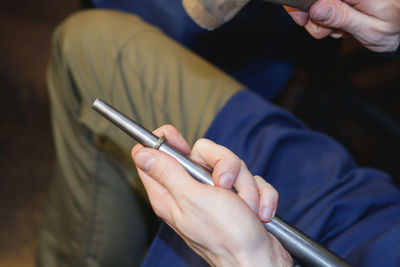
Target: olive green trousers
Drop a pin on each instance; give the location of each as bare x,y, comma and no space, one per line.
95,214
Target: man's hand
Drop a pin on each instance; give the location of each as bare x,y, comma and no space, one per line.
222,227
374,23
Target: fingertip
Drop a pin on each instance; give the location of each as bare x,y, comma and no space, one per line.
226,180
337,35
268,207
173,137
317,31
227,171
268,200
266,213
144,159
300,17
135,149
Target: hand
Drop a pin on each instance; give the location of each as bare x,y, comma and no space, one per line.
220,226
374,23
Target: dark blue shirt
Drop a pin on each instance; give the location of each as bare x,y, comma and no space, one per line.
351,210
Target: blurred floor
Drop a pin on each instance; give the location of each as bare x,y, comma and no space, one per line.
27,154
355,102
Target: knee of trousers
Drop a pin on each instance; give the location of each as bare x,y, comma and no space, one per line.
90,30
87,45
85,49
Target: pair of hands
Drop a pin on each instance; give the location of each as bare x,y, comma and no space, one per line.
222,227
374,23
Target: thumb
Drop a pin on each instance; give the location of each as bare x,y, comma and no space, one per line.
339,15
166,171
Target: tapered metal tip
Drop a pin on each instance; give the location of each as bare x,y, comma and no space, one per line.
132,128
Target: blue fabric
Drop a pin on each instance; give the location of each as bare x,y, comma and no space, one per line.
167,15
250,47
353,211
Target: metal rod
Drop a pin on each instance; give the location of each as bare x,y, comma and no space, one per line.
305,250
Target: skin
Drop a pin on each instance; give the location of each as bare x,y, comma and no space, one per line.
374,23
222,227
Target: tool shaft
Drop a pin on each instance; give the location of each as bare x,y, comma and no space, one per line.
305,250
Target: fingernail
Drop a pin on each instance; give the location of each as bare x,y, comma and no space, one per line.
323,13
144,160
226,180
266,213
336,35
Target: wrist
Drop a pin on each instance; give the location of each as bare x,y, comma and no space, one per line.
269,253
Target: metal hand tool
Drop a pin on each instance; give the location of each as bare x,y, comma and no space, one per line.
305,250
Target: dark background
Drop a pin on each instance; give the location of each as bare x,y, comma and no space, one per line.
339,88
26,149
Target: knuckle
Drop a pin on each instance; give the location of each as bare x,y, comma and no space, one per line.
230,158
267,189
198,144
271,193
275,194
235,162
343,19
201,143
243,171
241,163
340,20
249,193
169,128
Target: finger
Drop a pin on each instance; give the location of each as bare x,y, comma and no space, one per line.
172,136
317,30
300,17
247,188
225,164
167,171
340,15
268,200
337,34
228,170
162,202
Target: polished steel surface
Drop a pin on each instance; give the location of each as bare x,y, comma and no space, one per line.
305,250
131,128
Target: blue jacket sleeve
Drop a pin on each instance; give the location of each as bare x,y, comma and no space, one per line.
353,211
